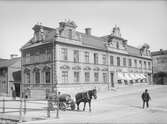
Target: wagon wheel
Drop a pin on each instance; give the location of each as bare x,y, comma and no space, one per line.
72,105
62,106
51,107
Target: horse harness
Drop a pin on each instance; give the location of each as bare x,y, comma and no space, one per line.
87,94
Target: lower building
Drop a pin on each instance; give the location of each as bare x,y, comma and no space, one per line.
7,67
159,66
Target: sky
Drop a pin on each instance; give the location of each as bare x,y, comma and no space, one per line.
139,21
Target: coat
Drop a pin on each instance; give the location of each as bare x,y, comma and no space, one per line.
145,96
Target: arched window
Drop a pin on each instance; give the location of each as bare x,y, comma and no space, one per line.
118,61
47,78
117,44
27,76
37,75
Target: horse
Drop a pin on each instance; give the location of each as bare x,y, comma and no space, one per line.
85,97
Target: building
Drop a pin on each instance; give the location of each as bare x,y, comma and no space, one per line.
159,66
72,61
7,67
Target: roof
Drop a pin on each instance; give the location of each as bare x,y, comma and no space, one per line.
2,59
87,40
156,53
93,41
133,51
9,62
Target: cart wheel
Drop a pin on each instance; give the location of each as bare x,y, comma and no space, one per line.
51,108
72,105
62,106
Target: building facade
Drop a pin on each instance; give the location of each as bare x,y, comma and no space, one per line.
71,61
159,66
7,67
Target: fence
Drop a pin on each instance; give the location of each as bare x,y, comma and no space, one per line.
22,106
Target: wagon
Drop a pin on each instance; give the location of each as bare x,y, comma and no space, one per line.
64,100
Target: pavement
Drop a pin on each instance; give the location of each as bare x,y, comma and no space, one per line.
99,107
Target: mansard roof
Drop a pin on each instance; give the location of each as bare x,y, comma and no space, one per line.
89,41
160,52
133,51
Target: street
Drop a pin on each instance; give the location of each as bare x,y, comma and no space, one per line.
118,108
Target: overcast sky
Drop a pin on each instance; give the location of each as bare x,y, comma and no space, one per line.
139,21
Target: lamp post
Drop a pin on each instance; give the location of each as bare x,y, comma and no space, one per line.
21,90
54,76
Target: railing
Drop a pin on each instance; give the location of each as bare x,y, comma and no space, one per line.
8,106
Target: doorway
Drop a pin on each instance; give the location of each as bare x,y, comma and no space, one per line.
112,79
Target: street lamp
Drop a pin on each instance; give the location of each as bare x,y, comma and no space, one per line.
54,68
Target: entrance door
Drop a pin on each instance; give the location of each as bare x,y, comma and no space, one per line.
149,78
112,79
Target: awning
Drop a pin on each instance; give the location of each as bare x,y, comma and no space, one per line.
127,76
132,76
120,76
137,76
142,76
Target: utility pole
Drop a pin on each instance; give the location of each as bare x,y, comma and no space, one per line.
54,78
21,90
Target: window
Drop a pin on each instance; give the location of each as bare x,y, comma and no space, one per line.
118,61
64,53
28,77
104,77
130,63
104,59
70,33
37,77
140,62
135,61
76,56
145,64
87,76
117,45
111,60
76,76
149,65
64,76
47,77
87,57
124,61
49,53
95,58
96,76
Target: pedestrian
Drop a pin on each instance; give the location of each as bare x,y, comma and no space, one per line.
13,93
145,97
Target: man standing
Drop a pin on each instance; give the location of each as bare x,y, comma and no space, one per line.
13,93
145,97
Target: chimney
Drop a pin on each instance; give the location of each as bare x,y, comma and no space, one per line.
12,56
88,31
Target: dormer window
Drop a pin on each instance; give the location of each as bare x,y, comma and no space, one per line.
117,45
70,33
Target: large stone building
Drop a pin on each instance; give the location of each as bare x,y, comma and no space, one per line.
72,61
160,66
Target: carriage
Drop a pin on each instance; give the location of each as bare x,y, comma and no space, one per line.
64,100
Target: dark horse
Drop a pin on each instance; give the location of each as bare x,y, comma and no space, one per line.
85,97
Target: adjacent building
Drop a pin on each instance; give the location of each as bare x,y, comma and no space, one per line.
159,66
63,58
7,67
